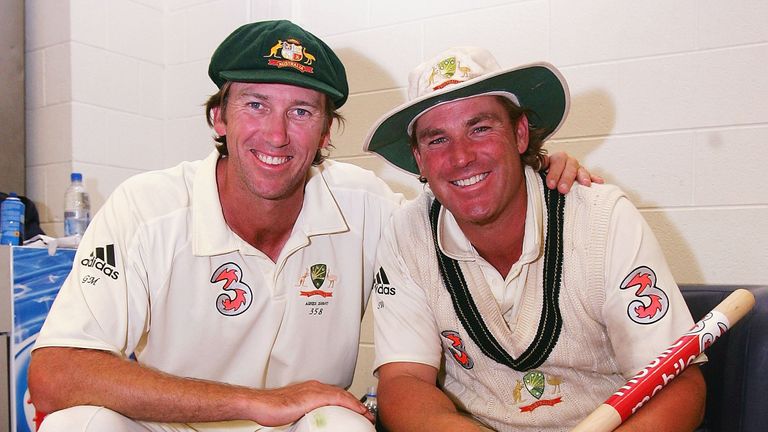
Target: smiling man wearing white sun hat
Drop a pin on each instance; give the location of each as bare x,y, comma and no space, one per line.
535,306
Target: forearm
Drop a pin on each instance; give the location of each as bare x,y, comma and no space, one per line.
410,404
677,407
64,377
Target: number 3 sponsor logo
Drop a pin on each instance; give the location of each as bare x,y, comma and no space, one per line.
457,349
237,295
651,303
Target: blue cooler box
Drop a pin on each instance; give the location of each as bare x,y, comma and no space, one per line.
30,278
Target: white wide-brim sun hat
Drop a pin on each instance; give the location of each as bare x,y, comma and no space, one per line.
461,73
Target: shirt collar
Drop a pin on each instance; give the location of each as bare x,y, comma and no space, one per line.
455,244
320,214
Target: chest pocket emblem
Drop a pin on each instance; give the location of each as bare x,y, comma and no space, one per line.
318,274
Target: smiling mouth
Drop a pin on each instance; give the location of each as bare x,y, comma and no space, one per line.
470,180
271,160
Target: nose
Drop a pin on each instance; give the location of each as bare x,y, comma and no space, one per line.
275,130
461,153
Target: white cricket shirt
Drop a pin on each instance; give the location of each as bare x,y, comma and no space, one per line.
159,275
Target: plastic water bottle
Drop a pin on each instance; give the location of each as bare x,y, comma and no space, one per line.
12,220
370,401
77,207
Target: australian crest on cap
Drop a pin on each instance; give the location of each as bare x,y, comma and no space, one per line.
444,72
290,53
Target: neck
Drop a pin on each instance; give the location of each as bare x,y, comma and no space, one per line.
500,242
262,223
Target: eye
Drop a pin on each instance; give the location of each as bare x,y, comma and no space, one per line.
439,140
255,105
481,129
301,113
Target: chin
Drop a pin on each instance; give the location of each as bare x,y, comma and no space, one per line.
473,216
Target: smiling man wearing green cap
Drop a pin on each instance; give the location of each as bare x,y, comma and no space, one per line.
236,283
527,307
226,294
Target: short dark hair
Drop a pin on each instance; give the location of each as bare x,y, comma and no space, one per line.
220,98
534,153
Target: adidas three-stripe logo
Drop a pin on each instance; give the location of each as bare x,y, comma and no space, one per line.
103,258
381,284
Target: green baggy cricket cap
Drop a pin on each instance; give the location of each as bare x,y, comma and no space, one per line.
279,52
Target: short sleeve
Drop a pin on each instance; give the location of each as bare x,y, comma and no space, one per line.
644,311
404,326
103,303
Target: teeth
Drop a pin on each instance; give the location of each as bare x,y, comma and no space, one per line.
470,181
272,160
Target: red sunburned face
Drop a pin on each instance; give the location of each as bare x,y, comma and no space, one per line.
470,153
273,133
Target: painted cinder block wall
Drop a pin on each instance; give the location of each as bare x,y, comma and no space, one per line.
669,99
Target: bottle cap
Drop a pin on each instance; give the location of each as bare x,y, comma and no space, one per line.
371,391
76,176
12,194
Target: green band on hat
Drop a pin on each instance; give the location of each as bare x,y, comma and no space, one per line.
279,52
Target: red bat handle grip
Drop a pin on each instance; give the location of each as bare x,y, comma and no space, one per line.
670,363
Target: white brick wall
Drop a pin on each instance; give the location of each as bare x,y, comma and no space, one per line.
96,93
669,99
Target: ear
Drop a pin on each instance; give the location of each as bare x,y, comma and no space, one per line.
325,140
522,134
219,125
417,156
